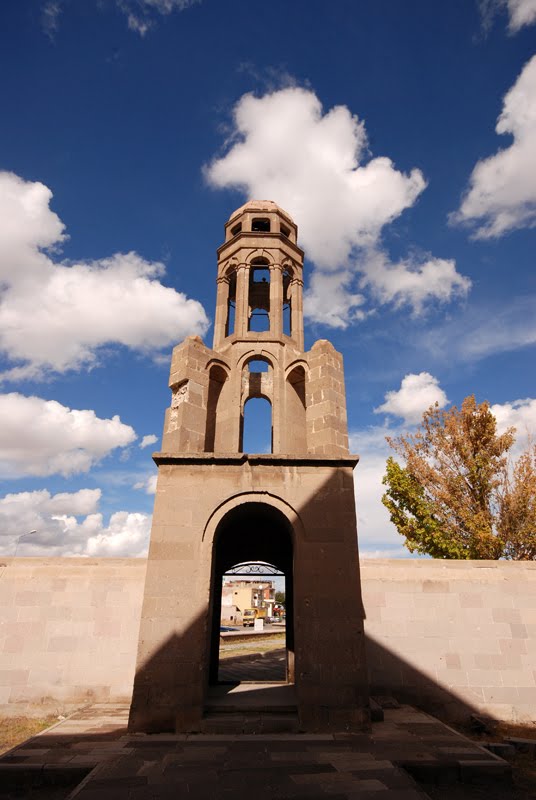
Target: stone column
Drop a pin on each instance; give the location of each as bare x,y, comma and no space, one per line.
222,310
242,300
276,300
296,325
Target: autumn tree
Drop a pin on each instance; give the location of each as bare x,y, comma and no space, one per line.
458,494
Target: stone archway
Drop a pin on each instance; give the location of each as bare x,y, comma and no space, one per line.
252,531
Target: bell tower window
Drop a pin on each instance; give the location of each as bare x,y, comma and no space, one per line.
231,306
287,303
259,297
260,225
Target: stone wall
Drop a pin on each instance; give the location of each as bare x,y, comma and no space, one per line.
460,635
455,634
68,631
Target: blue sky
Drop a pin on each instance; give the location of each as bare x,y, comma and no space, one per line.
400,136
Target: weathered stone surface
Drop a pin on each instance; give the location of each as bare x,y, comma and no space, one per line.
34,677
463,645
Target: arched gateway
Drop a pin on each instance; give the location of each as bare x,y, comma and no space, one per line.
217,506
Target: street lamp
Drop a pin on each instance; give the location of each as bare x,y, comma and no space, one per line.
22,537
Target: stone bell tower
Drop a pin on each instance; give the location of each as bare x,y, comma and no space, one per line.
217,506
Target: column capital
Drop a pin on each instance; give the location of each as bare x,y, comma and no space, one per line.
276,266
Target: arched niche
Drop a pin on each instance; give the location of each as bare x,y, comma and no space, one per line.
251,531
295,421
216,382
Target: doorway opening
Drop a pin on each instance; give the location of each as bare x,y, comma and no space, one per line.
252,557
253,621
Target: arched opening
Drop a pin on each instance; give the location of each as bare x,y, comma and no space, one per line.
287,303
295,411
258,364
256,426
231,305
259,296
257,434
260,225
253,534
217,377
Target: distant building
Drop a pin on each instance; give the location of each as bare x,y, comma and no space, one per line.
241,594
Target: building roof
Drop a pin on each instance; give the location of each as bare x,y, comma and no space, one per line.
261,205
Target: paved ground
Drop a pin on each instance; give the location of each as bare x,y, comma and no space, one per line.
256,767
244,753
268,666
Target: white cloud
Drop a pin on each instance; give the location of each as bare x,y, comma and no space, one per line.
520,12
58,316
317,166
502,188
148,484
147,440
329,301
510,329
416,394
58,531
412,282
43,437
127,534
80,503
138,24
313,165
487,330
378,537
50,17
386,552
141,13
520,414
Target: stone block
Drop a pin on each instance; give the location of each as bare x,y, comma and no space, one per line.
513,646
500,694
470,600
452,661
62,644
510,615
518,631
14,677
435,587
108,628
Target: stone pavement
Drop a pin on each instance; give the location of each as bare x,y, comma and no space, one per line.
94,743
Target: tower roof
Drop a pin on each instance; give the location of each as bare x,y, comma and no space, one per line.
261,205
